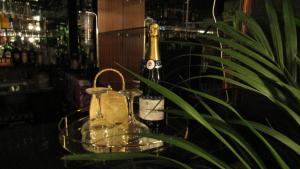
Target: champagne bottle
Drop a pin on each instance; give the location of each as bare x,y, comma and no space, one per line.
151,103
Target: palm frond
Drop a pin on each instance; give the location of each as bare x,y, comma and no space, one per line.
275,32
256,31
297,21
191,110
273,133
223,127
275,154
242,38
248,52
188,146
122,156
250,63
290,38
253,80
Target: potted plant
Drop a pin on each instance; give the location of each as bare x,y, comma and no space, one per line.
265,64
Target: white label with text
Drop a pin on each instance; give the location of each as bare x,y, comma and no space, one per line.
151,109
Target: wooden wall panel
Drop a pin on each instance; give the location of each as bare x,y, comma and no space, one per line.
124,48
110,51
110,14
120,14
133,49
134,13
105,50
121,38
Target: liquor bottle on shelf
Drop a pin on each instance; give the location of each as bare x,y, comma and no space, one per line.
31,55
151,103
2,60
7,53
24,55
16,55
5,23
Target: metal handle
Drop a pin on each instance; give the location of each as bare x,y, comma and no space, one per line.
111,70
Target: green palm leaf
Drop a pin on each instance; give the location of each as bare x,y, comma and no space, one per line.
244,39
122,156
188,146
229,131
275,32
293,90
191,110
297,22
256,31
250,78
274,133
278,158
248,52
250,63
291,112
290,38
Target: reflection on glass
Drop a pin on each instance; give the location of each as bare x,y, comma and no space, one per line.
122,137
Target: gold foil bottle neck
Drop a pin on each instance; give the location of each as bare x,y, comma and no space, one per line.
154,29
153,52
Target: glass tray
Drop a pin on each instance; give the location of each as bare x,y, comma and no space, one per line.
77,135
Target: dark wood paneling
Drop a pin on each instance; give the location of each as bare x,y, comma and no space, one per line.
124,48
110,50
110,15
133,49
117,44
134,13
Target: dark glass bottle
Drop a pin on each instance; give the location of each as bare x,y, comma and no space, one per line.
2,59
16,55
24,55
151,103
31,55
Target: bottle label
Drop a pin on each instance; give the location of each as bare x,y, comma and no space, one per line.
151,109
151,64
17,56
7,54
24,57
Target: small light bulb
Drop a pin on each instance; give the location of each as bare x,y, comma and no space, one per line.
37,18
30,26
31,39
38,28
